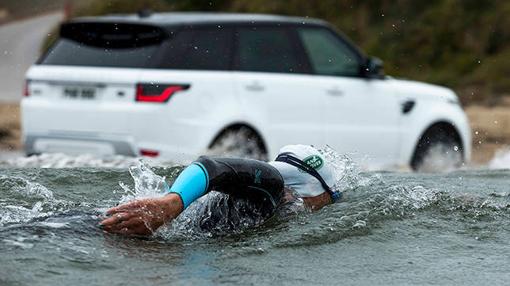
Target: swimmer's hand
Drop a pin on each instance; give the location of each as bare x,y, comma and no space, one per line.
144,216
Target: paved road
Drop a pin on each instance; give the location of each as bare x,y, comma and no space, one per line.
19,47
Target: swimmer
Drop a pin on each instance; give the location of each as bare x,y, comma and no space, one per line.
298,173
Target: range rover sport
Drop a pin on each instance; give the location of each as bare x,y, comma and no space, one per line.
175,84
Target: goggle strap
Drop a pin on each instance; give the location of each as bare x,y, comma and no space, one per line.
291,160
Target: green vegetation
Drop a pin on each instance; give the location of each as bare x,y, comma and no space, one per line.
16,9
463,44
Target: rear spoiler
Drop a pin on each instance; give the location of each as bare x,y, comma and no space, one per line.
113,35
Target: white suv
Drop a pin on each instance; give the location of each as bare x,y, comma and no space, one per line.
178,84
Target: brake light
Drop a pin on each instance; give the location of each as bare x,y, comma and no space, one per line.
26,91
149,153
158,93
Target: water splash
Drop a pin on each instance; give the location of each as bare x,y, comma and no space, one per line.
368,200
216,213
441,158
24,201
25,187
347,174
59,160
146,183
501,159
240,143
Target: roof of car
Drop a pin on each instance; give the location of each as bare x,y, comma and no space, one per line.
177,18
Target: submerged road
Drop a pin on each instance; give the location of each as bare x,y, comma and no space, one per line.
20,44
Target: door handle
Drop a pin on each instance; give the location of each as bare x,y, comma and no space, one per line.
255,86
335,91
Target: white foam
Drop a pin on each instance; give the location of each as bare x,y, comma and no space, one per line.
54,224
441,158
59,160
501,159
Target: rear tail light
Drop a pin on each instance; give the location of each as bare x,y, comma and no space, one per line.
158,93
26,90
149,153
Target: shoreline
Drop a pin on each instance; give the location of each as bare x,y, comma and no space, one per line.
490,126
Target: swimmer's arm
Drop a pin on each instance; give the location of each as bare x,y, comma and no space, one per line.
144,216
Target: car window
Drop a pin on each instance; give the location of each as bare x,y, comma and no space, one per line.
105,45
70,53
198,49
133,46
328,55
267,49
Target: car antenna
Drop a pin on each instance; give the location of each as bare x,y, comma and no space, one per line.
145,13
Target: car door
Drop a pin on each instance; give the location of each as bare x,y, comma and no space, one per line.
362,113
274,89
197,59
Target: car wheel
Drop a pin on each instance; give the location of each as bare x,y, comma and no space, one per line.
437,151
242,142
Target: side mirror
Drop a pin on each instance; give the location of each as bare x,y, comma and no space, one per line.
373,68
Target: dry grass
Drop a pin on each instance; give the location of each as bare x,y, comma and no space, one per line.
491,129
10,127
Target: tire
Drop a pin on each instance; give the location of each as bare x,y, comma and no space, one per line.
241,142
439,150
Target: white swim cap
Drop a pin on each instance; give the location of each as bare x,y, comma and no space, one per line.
300,181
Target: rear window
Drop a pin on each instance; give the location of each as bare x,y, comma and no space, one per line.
141,46
106,45
70,53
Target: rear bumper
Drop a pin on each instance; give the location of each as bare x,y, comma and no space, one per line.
76,144
111,128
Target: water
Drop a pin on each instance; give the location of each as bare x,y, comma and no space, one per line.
391,228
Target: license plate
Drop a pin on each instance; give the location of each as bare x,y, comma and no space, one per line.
79,92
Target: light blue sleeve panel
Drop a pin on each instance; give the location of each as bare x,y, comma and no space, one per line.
191,184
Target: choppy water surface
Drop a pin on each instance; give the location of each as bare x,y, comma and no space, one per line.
391,228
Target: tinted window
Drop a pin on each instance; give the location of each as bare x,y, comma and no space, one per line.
328,55
105,44
70,53
267,49
115,45
198,49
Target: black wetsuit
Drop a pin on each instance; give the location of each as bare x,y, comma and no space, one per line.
255,189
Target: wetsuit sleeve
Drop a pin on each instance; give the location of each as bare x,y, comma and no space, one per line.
252,180
191,183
